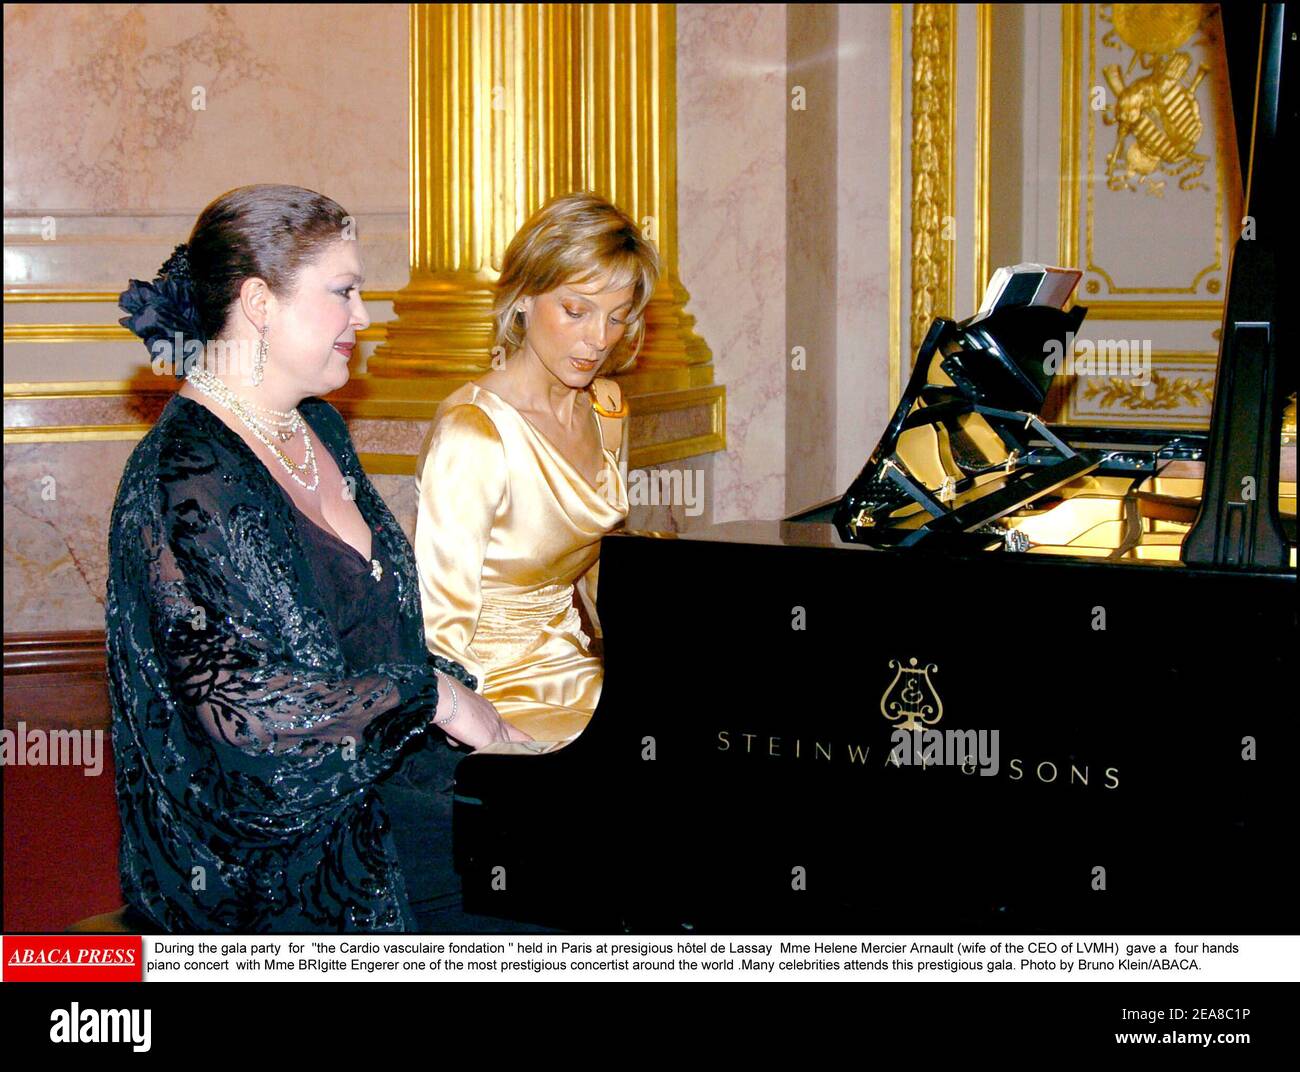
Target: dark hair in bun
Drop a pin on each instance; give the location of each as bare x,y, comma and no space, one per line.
268,231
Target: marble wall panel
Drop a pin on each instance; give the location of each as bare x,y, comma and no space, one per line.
731,196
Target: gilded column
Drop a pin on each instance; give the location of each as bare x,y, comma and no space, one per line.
933,205
511,104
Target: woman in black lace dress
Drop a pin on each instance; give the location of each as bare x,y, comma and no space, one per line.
267,667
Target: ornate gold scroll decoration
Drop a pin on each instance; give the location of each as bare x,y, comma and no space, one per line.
1165,123
1166,392
897,361
1157,111
933,62
983,143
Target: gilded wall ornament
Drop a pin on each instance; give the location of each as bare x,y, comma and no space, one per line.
1156,115
1166,392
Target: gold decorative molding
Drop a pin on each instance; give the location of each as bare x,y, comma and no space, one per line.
74,389
75,433
45,333
896,87
1071,38
1183,19
42,297
713,397
511,104
933,137
67,333
1099,289
639,457
983,137
376,464
87,333
406,400
1151,310
1179,395
1169,392
895,203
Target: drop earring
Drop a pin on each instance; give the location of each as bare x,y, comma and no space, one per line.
259,359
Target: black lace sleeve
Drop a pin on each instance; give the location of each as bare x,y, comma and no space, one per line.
289,737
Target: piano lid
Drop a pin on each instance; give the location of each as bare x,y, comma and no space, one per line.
965,445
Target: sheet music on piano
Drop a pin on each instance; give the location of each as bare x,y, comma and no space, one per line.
1028,284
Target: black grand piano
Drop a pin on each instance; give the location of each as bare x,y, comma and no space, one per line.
1018,677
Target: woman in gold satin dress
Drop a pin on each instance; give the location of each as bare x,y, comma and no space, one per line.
525,469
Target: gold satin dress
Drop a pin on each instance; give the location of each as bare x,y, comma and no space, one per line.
506,527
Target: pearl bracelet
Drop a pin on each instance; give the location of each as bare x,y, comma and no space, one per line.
455,703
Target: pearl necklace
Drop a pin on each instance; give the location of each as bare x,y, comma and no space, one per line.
283,423
292,421
282,429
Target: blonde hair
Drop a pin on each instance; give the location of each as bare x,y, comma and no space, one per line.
575,238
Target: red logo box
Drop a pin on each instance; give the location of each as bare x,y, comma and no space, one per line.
73,959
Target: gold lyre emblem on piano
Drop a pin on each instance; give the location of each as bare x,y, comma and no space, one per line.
911,696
